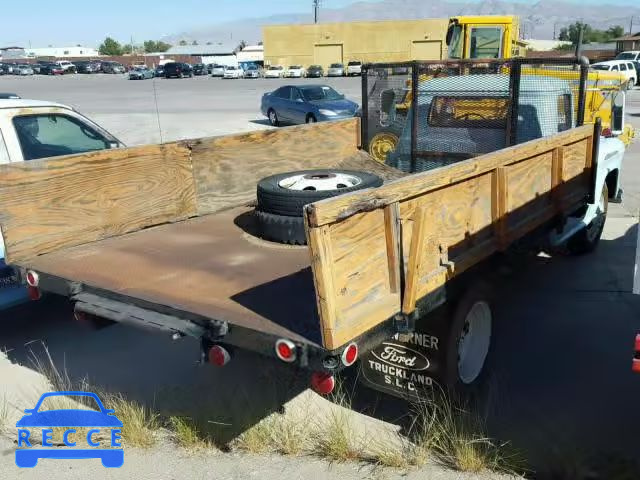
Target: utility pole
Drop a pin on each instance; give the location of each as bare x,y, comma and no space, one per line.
316,7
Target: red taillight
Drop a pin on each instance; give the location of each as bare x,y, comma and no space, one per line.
606,132
350,354
33,292
322,383
635,366
219,356
33,279
286,350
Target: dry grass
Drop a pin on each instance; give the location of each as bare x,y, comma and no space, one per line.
187,435
447,430
336,439
140,424
278,434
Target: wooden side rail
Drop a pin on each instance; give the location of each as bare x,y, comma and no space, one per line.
450,219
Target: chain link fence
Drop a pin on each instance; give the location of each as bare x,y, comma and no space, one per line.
466,108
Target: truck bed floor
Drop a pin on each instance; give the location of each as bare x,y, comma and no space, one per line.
210,266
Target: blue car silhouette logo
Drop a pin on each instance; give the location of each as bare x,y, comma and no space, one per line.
27,457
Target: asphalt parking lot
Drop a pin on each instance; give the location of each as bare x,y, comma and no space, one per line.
562,385
136,111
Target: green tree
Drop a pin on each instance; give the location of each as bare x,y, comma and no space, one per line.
110,47
615,32
182,43
152,46
127,49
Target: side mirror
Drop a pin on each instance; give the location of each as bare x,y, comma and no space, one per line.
617,112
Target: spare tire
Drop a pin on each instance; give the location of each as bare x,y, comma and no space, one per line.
280,228
287,193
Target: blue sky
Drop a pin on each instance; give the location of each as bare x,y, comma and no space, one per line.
69,22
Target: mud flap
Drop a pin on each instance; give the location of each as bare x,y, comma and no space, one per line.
407,365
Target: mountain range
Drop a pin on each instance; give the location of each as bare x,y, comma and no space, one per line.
538,20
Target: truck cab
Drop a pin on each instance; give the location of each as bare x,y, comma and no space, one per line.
484,37
34,129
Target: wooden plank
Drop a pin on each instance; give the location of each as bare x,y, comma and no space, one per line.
227,169
414,265
67,201
319,242
557,168
331,210
392,230
575,159
499,206
361,277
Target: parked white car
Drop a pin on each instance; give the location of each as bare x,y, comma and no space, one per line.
354,68
633,55
274,71
66,65
33,129
625,67
218,70
335,70
295,71
233,72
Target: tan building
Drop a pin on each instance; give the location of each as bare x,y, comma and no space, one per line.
326,43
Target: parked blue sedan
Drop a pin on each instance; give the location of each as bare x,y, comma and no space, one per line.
306,104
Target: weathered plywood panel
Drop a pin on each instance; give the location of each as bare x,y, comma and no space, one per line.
364,289
451,219
575,160
328,211
68,201
227,169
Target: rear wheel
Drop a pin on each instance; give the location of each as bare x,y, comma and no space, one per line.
587,239
311,118
273,117
630,84
382,144
469,340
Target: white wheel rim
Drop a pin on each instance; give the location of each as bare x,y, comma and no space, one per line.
598,222
272,117
474,341
320,181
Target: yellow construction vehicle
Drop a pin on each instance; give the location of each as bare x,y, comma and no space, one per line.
497,37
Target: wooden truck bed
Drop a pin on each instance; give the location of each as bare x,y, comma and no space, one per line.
209,266
168,224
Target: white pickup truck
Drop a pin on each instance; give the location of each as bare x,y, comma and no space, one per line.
32,129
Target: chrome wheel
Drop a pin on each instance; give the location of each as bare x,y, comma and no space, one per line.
320,181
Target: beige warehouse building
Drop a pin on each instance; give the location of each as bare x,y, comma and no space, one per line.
326,43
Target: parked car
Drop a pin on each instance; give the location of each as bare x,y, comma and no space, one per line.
23,69
85,66
8,96
66,66
252,72
34,129
354,68
159,72
315,71
6,69
112,67
633,55
177,70
51,69
217,70
36,68
199,69
233,72
274,71
141,73
295,71
336,70
625,67
306,104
